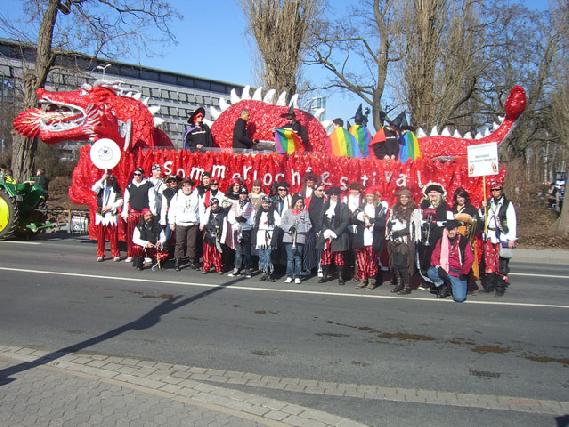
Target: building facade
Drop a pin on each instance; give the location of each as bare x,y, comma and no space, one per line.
176,94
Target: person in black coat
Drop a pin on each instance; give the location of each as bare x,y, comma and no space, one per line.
241,138
435,213
369,239
334,239
315,206
198,134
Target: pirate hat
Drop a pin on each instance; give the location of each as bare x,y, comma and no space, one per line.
359,117
290,113
194,113
434,186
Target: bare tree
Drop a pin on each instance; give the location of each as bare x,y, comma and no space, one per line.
446,58
372,36
280,29
102,27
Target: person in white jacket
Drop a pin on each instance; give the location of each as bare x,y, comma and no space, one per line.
499,240
184,216
109,200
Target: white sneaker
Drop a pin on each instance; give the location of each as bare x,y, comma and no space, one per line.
297,281
288,280
234,273
320,274
128,259
148,260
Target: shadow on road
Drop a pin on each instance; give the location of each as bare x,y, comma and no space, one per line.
146,321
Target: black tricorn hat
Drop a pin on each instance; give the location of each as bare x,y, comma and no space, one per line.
434,186
334,190
290,112
452,223
193,114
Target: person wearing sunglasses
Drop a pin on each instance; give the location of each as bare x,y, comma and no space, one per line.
138,195
499,240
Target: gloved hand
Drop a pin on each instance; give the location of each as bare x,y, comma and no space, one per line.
292,229
442,273
327,234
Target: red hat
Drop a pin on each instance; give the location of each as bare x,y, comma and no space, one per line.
145,211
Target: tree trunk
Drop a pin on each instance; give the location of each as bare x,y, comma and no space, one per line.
24,149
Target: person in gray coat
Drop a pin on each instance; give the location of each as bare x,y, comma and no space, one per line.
295,224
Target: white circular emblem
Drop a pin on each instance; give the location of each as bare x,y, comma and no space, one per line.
105,153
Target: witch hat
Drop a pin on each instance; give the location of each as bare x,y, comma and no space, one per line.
290,113
359,117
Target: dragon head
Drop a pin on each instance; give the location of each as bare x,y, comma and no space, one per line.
88,114
516,103
264,116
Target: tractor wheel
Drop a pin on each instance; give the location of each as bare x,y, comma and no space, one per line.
9,215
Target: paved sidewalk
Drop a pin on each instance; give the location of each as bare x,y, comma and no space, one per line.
92,389
42,389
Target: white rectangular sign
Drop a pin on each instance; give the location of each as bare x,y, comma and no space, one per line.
483,160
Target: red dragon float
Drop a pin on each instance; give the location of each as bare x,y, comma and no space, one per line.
105,110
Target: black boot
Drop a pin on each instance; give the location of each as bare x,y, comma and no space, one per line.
138,263
324,277
444,290
405,283
488,281
397,282
178,264
341,276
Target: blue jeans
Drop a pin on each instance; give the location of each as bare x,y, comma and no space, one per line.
243,252
293,260
458,286
265,264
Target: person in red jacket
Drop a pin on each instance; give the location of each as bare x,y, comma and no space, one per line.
451,262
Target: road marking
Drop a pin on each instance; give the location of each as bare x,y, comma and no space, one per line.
20,242
291,291
553,276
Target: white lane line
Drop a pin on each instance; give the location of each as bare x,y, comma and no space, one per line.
20,242
291,291
554,276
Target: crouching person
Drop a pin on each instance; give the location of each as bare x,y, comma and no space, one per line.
451,262
148,240
214,226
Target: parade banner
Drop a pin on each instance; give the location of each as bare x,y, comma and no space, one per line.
482,160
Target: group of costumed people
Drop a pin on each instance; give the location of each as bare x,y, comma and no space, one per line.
320,231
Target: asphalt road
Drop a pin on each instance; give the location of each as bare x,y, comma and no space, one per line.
517,345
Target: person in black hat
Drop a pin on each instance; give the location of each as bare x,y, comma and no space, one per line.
296,127
239,217
451,262
198,134
138,195
241,138
169,192
334,239
435,213
214,226
263,237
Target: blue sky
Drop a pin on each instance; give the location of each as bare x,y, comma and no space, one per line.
213,43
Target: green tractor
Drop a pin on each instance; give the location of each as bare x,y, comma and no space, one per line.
22,207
